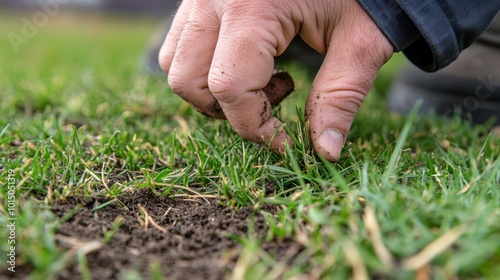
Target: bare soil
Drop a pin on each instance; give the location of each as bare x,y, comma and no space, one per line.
192,238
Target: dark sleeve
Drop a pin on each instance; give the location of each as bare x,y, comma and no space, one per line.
431,33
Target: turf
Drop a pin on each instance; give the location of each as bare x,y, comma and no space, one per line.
411,196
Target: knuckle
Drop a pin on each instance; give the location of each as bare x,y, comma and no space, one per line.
218,83
337,105
371,50
347,102
350,104
245,134
179,84
184,84
195,92
222,86
249,133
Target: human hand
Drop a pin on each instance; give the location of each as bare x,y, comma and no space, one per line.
219,56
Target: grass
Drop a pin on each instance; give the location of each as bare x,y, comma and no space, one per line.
410,197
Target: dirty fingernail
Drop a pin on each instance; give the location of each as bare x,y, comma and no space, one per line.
332,141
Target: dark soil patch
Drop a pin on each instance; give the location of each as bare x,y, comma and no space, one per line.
195,242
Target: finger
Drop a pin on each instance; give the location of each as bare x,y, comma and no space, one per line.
242,66
356,53
187,76
169,46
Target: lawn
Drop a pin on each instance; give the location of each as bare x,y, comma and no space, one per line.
105,173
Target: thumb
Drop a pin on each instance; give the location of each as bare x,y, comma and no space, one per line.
355,54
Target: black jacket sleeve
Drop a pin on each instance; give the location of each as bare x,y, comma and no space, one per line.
431,33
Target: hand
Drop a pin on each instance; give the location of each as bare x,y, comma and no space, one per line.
219,55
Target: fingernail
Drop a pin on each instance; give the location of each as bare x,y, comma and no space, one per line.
332,141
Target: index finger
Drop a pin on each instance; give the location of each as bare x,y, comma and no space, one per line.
242,66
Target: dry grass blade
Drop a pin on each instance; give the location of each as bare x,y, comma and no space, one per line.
141,222
466,188
146,216
77,247
148,219
187,189
68,241
356,261
103,178
435,248
375,236
89,247
167,212
156,225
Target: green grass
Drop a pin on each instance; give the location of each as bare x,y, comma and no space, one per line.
79,119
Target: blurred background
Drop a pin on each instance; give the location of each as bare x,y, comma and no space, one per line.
24,22
78,57
131,7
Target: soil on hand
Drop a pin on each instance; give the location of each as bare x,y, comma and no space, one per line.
182,238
